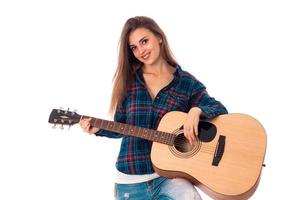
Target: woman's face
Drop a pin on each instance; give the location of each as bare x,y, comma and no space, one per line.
145,46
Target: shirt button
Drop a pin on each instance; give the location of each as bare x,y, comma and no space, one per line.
157,98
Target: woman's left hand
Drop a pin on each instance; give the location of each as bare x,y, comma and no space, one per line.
190,126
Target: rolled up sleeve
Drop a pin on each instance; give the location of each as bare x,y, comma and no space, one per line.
210,106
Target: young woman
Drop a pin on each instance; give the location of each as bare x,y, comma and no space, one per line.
148,83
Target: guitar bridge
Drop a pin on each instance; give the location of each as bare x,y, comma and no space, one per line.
219,150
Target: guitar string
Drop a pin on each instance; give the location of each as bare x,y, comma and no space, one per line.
211,147
201,148
172,135
206,148
207,151
182,141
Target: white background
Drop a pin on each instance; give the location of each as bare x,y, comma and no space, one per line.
63,53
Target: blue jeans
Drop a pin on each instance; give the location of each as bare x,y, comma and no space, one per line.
158,189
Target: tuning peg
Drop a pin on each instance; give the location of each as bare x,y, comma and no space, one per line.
60,109
66,111
54,126
74,111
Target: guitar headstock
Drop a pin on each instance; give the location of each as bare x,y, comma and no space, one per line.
63,117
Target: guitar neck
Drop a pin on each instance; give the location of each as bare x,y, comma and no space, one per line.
129,130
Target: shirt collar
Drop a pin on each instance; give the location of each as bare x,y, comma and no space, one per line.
140,77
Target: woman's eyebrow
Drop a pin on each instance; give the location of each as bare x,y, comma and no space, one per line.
142,39
132,45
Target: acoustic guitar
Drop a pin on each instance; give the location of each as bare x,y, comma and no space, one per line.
226,161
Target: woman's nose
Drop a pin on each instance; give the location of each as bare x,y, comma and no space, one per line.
141,50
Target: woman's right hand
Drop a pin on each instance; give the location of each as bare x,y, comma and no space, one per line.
86,126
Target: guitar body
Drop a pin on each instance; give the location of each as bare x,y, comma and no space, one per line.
231,173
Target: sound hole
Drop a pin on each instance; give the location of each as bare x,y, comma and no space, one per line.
181,144
182,148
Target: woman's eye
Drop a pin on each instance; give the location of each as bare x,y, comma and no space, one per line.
133,48
144,41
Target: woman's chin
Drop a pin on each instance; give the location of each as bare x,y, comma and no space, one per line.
147,62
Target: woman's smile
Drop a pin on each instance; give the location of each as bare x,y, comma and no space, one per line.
145,56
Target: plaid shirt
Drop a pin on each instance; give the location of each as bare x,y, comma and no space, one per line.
138,109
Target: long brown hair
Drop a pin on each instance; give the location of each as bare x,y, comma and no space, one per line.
128,64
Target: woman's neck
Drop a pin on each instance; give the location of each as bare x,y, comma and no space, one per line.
160,67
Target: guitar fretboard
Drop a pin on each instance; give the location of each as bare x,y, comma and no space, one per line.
129,130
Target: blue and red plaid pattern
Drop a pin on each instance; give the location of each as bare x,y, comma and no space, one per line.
138,109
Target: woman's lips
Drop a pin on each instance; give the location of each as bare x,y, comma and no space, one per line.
146,56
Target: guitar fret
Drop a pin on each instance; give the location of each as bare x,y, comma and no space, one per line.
145,133
162,137
172,139
94,122
110,125
139,131
152,135
126,130
100,123
107,124
148,134
168,138
155,137
130,131
104,124
117,127
158,135
122,128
